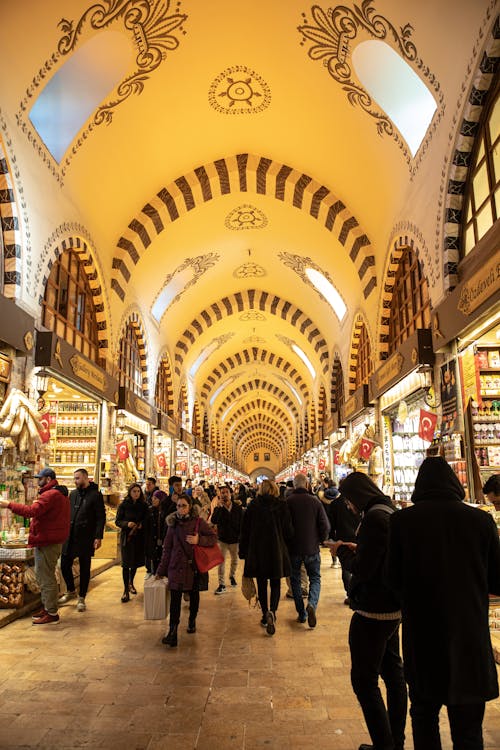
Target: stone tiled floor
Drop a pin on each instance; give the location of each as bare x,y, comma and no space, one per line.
102,679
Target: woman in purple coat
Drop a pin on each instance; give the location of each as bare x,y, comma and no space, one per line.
184,530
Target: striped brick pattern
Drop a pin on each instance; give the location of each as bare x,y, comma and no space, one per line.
183,407
251,299
196,421
134,321
322,406
10,239
398,248
461,162
82,249
337,390
257,356
167,397
353,354
260,405
240,174
257,385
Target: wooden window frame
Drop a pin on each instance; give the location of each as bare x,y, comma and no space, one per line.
129,361
364,362
410,305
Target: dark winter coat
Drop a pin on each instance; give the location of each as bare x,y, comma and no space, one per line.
444,560
228,522
343,521
49,514
310,523
266,532
156,528
368,589
132,540
87,520
177,561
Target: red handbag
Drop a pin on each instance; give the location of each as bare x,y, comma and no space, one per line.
206,558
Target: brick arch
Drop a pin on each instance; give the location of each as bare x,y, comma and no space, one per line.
164,361
11,239
485,77
196,419
87,257
251,299
235,175
257,406
183,407
260,442
337,384
322,406
254,421
134,319
359,322
252,356
257,385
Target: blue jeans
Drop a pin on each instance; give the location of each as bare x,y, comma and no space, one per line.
312,564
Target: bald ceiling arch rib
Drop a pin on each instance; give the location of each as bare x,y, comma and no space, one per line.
253,356
257,385
251,299
252,424
259,406
258,441
237,174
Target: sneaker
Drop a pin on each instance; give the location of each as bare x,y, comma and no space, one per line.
232,581
39,613
221,589
263,621
302,618
311,616
270,623
64,599
81,606
46,619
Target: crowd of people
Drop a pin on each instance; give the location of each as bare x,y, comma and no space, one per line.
431,567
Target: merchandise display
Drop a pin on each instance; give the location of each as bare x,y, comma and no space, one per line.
11,584
74,427
485,412
408,449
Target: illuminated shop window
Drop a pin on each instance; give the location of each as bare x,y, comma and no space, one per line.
364,363
410,304
482,203
68,305
164,398
396,88
129,363
78,87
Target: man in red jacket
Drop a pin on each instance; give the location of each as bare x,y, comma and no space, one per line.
49,528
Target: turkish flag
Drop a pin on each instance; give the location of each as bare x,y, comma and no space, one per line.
196,468
321,464
44,430
427,425
122,450
162,460
336,458
207,472
366,448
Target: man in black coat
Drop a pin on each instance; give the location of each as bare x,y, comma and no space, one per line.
444,560
344,522
88,517
311,528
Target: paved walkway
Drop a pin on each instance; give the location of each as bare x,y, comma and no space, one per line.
102,679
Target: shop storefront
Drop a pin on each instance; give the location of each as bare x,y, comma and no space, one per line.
466,329
335,437
135,420
403,387
359,419
163,449
183,455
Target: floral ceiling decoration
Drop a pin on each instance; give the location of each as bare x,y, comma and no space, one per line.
239,91
252,315
245,217
249,271
180,280
299,264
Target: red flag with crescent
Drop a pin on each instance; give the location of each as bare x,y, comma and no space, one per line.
321,464
122,450
196,468
162,460
427,425
366,448
336,458
44,430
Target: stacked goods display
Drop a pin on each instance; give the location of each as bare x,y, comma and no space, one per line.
73,437
485,412
11,585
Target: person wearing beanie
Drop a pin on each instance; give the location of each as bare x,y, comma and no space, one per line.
444,561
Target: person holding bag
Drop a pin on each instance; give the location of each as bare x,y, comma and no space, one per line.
185,530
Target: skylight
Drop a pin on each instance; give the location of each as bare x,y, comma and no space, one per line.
396,88
170,291
76,90
328,291
298,351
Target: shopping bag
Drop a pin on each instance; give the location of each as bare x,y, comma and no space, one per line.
156,598
206,558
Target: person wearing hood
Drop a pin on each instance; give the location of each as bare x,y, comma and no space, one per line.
184,530
444,560
86,531
374,628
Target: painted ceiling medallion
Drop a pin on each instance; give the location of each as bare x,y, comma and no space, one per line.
333,33
249,271
245,217
254,340
239,91
252,315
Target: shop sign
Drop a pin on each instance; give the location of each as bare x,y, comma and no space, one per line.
187,437
16,326
328,427
470,375
317,437
137,406
196,468
356,403
5,368
416,350
143,409
481,285
85,370
387,448
389,370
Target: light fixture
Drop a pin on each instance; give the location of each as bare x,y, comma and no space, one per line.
120,419
42,382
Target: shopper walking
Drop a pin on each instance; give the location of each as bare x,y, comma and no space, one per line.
227,518
87,521
155,529
344,522
49,528
265,533
444,585
311,527
374,629
184,530
130,518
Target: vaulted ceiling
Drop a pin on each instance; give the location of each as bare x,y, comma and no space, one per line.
238,150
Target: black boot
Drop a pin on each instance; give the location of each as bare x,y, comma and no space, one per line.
191,628
171,638
126,596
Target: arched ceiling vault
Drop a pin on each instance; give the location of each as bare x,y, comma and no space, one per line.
235,157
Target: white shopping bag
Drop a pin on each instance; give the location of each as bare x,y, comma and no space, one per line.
156,598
